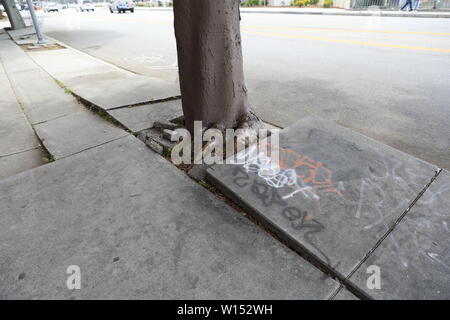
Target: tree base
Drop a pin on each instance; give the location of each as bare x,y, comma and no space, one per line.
247,132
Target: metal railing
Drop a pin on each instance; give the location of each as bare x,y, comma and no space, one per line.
397,4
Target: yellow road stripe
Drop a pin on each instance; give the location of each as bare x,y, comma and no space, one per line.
170,23
365,43
292,36
346,30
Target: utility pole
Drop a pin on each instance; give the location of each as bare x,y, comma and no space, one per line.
35,22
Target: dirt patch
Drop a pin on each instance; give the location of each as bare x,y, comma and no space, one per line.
33,47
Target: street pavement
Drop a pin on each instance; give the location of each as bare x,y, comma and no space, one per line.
384,77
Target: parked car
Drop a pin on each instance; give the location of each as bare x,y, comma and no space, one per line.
23,6
121,6
38,5
51,7
85,5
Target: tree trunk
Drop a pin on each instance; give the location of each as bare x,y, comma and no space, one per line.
15,19
210,62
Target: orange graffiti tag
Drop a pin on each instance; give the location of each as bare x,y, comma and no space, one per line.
307,169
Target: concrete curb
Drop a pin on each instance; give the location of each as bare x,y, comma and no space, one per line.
393,14
358,14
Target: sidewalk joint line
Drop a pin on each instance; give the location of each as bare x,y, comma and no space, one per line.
93,147
22,109
392,228
335,293
51,119
18,152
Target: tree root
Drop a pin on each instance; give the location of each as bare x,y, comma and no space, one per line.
247,133
250,121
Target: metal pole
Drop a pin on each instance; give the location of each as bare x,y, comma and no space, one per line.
35,22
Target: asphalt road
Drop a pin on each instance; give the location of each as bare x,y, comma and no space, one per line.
387,78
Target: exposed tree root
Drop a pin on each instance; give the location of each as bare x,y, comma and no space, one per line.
250,121
247,133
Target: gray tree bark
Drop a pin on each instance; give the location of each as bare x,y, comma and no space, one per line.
210,62
15,19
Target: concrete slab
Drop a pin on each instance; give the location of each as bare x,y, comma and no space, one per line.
21,32
138,228
13,164
18,144
100,83
4,36
414,259
336,195
76,132
109,91
14,58
39,94
16,134
142,117
35,89
9,108
55,63
41,97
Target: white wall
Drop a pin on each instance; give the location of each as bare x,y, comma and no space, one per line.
279,3
344,4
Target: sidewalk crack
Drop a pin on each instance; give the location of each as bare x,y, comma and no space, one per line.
146,102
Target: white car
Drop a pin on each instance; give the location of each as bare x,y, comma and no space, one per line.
51,7
85,5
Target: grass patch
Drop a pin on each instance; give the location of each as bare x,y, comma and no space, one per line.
62,85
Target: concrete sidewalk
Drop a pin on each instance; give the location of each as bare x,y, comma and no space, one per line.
19,147
102,84
138,228
132,100
136,225
61,123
